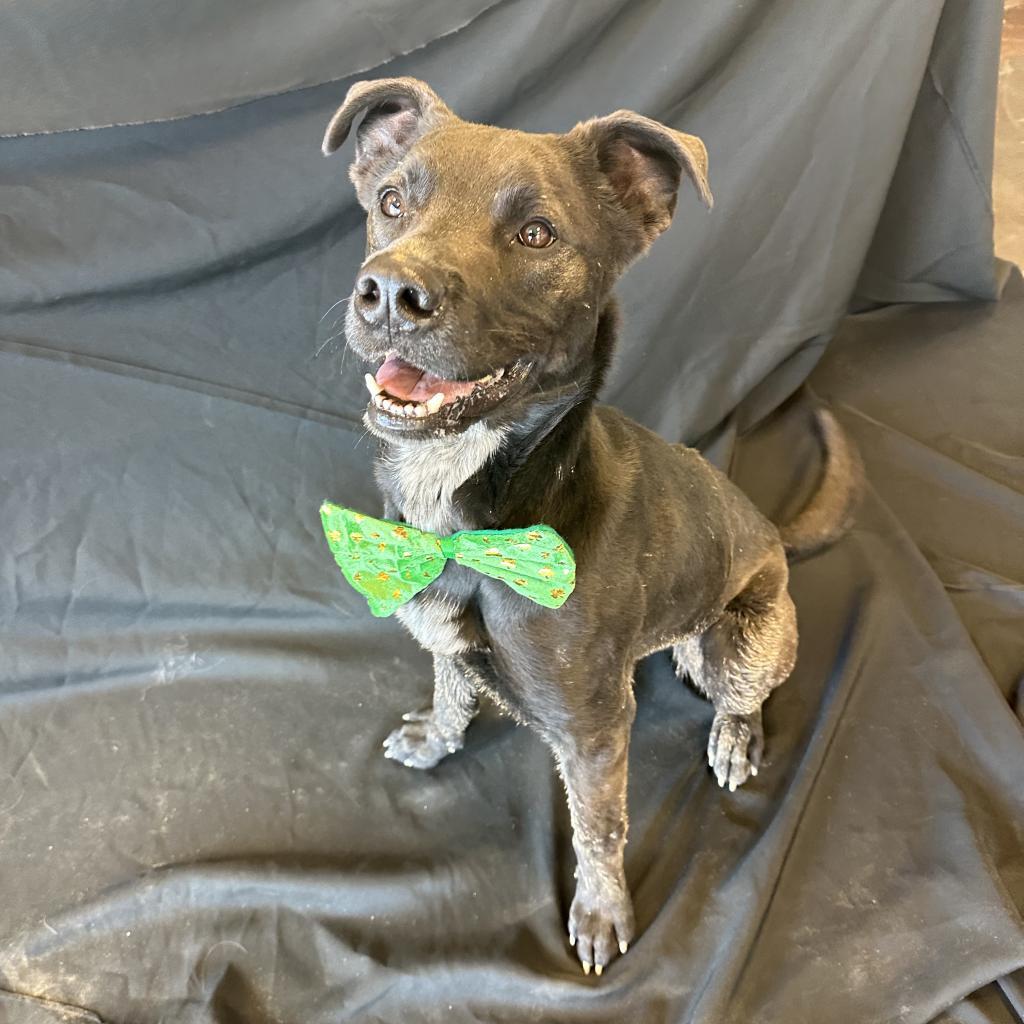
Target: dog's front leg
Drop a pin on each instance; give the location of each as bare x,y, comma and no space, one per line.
435,732
595,770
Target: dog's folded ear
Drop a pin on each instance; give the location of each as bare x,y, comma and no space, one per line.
643,162
398,111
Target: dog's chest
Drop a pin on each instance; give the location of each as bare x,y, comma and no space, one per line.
421,478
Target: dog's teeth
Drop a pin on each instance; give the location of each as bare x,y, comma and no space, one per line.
379,400
499,373
371,385
435,403
487,379
389,405
420,410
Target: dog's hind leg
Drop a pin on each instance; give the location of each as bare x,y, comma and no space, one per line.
737,662
429,735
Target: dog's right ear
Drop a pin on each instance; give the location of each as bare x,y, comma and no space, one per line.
398,112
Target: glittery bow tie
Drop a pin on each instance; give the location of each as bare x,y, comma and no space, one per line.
389,563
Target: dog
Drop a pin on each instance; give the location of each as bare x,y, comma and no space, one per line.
485,303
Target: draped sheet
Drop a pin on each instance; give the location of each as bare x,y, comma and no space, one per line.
197,823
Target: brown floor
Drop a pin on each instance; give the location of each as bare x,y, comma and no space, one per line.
1008,182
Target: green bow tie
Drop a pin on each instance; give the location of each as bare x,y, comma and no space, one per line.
389,563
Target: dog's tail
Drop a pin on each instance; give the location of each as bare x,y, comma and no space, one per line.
829,512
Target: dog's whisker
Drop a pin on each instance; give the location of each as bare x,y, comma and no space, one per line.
316,354
362,437
345,349
335,322
327,341
335,306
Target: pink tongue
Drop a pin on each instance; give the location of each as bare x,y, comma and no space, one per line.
403,380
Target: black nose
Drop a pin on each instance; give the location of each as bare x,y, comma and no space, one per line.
390,290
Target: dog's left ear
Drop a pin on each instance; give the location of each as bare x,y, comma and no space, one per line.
643,162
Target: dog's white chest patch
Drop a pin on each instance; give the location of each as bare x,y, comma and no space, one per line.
429,472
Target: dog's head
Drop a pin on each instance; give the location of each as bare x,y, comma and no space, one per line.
492,253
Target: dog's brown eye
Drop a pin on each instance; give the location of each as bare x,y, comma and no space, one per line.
391,204
536,235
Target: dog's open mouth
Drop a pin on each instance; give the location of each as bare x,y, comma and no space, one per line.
403,391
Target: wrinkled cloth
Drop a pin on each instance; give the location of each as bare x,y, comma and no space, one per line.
198,824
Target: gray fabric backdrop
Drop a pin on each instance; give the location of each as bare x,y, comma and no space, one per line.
197,823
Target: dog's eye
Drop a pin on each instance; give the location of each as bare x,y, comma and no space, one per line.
537,234
391,204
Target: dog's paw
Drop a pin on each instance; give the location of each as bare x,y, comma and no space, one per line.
735,747
600,926
419,743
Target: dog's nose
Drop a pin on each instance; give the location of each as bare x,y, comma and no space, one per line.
388,290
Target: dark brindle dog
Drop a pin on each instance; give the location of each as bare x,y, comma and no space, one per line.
486,301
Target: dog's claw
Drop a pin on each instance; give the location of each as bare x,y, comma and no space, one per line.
600,924
623,946
419,742
416,716
734,748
